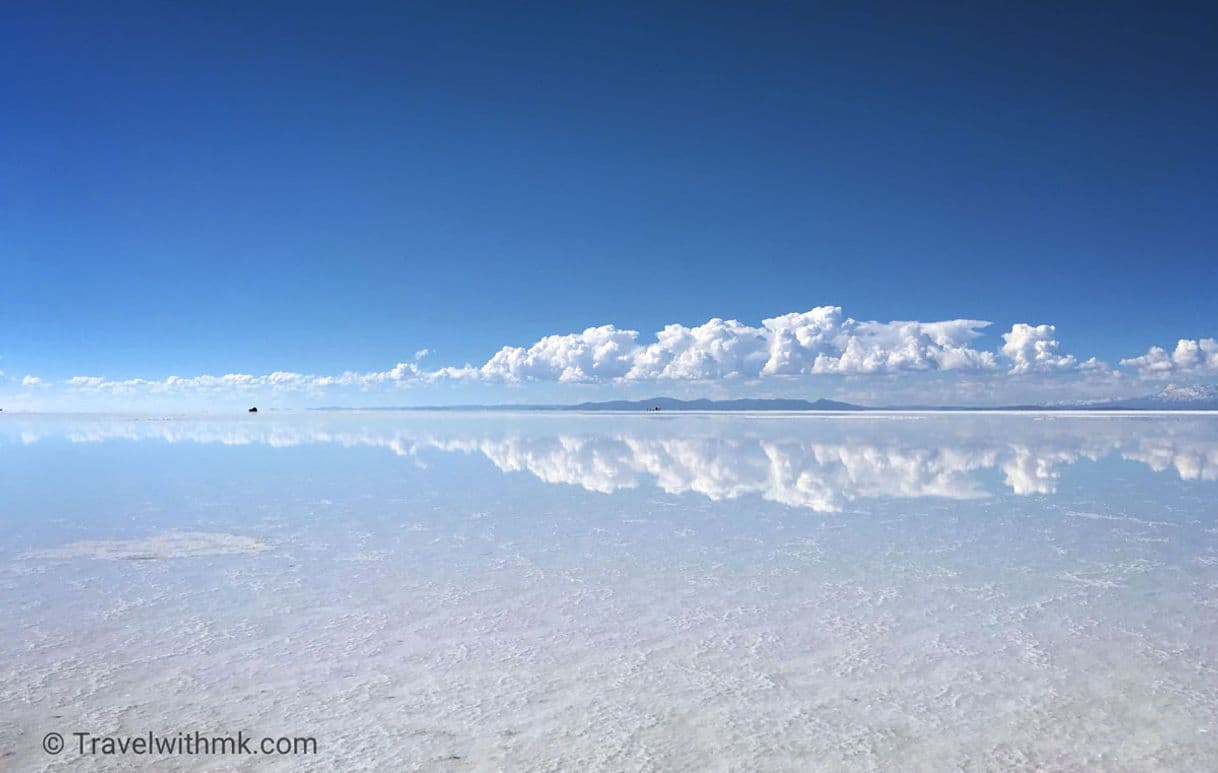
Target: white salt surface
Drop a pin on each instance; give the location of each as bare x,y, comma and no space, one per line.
173,544
474,592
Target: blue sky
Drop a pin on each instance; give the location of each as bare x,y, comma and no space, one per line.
230,189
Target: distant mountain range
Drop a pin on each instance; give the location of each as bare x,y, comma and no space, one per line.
1170,398
660,403
758,404
1195,397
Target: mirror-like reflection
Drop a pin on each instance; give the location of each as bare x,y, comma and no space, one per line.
820,463
557,591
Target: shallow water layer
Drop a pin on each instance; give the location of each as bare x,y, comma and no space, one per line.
615,592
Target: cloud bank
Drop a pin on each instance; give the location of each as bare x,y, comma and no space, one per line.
817,342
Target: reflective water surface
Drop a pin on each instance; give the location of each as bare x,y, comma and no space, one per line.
609,592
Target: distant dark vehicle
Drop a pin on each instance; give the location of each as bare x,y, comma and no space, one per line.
656,408
254,410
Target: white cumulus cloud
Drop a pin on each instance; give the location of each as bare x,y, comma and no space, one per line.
821,340
598,354
1034,349
1190,356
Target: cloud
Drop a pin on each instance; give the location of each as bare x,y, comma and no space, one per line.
279,381
1034,349
598,354
31,381
819,341
1190,356
713,350
91,382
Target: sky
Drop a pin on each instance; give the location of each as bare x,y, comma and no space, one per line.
306,204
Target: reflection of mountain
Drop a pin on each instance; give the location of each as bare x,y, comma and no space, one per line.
820,464
755,404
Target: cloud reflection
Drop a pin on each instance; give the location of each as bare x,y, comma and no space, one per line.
818,464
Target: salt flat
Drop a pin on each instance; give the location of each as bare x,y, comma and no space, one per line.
615,592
